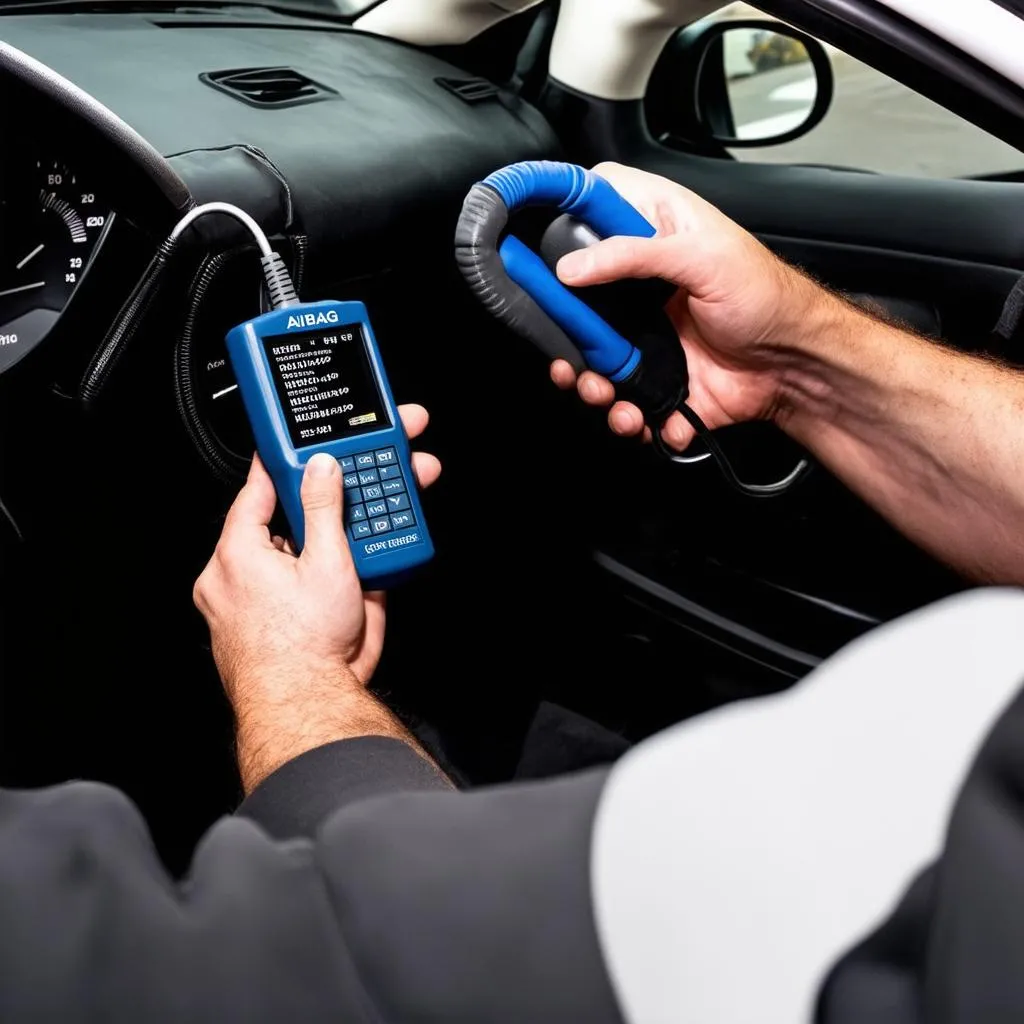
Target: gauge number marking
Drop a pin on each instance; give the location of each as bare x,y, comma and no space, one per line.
67,213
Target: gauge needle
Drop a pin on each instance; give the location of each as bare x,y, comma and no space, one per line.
35,252
23,288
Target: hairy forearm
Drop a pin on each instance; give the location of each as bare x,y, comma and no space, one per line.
932,438
270,732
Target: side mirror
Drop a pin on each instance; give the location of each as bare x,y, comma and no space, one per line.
739,83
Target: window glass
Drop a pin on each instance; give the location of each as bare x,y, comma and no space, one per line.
874,123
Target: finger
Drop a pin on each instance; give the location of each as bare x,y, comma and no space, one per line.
594,389
251,511
375,603
635,184
642,189
373,631
620,257
563,374
611,171
625,419
414,418
426,467
322,512
278,542
677,433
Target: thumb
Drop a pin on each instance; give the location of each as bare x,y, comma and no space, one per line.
622,256
322,510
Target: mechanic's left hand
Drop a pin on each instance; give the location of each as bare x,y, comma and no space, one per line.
278,621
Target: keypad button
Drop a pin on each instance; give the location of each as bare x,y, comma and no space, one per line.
368,476
398,502
391,472
376,508
365,461
387,457
354,513
402,520
348,465
393,486
360,530
382,525
373,493
350,480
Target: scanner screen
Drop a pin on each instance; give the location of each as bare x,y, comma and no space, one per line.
326,384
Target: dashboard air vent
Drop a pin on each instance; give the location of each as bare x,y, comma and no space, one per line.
268,87
470,90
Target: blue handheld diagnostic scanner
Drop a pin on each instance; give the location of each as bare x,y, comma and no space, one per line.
312,380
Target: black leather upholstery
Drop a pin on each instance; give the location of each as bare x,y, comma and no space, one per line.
391,156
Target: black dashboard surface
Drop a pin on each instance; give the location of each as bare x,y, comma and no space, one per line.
373,178
391,143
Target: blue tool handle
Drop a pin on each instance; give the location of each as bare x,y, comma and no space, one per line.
607,212
603,348
584,194
518,288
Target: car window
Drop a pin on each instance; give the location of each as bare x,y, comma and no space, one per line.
874,124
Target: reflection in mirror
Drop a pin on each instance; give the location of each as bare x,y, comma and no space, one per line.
771,82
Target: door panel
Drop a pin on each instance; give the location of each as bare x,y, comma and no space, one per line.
787,582
963,219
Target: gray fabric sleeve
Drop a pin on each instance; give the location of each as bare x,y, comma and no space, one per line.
439,906
296,799
494,893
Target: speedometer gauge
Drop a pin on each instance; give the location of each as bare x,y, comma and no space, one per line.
50,222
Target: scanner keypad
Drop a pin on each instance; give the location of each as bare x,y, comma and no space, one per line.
376,494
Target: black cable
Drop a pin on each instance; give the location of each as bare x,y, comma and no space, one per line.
11,521
707,436
133,313
221,463
126,323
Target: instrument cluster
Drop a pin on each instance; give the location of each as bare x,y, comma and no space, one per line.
52,220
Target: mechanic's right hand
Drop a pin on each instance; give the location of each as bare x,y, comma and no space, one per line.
737,308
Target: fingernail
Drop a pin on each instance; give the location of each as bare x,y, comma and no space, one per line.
590,389
321,465
573,264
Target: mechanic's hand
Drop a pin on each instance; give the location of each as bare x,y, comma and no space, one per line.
291,634
736,306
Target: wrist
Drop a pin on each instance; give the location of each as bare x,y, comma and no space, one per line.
805,313
276,724
815,348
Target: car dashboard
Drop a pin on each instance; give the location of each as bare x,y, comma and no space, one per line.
361,145
560,549
354,153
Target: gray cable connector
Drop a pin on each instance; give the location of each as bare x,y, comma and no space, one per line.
279,281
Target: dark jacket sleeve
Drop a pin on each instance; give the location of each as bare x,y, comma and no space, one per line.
431,906
296,799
